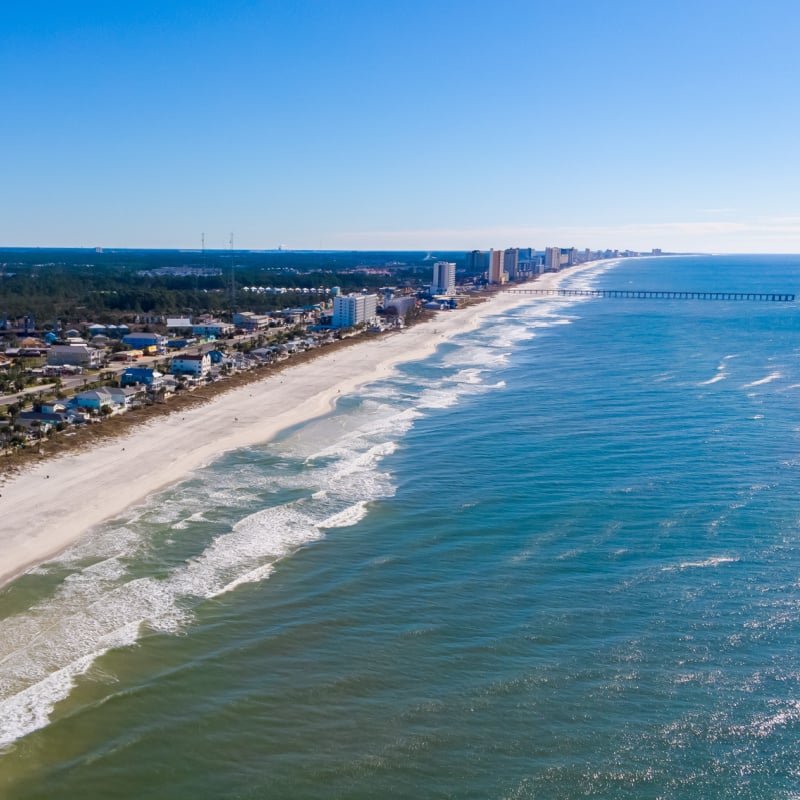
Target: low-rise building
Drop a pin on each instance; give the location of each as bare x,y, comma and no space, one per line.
95,399
212,328
197,366
126,396
249,321
78,355
142,376
43,420
144,341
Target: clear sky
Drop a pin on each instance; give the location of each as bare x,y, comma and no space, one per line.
435,124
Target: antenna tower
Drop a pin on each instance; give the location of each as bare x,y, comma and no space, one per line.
233,279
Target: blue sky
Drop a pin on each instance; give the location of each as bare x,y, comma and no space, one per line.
413,125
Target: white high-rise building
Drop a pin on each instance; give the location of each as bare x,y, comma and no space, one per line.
444,278
353,309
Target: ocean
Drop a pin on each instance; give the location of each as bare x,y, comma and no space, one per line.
560,558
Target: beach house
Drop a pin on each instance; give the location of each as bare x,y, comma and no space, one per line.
117,399
145,341
196,366
144,376
76,355
212,328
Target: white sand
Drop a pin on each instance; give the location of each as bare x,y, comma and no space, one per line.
48,507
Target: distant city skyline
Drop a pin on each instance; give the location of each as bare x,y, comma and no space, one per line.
361,126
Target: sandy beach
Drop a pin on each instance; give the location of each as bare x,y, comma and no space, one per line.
49,506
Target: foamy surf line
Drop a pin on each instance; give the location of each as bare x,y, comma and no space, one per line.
714,561
44,650
773,376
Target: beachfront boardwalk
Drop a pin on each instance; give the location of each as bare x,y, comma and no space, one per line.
658,295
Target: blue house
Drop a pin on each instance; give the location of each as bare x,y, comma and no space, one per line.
141,375
139,341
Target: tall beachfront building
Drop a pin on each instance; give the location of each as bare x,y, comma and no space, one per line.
511,263
552,258
353,309
496,272
444,278
477,261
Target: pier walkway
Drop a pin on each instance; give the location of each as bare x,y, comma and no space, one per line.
658,295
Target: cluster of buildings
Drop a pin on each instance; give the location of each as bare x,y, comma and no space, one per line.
501,266
522,263
99,344
140,385
73,353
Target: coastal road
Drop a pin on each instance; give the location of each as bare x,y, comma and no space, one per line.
10,399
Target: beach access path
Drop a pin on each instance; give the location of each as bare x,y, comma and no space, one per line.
53,503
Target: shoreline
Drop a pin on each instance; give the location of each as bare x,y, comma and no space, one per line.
52,504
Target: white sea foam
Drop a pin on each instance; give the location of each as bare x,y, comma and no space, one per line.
471,355
438,398
471,376
30,708
485,356
715,561
44,651
509,336
198,516
545,323
349,516
773,376
264,536
255,575
721,373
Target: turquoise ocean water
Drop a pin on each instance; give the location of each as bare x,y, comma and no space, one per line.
558,559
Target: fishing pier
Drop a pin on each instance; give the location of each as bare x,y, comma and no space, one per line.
644,294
